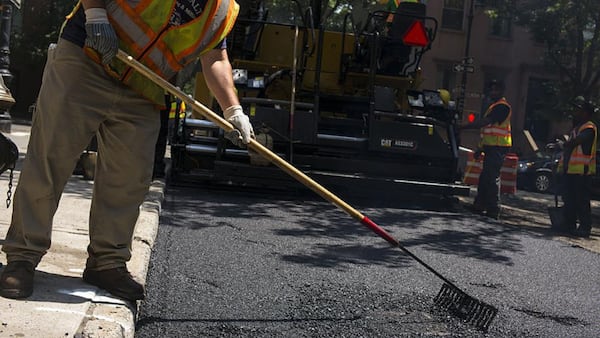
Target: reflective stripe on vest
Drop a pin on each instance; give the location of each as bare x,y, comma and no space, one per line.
578,160
390,17
144,33
177,106
497,134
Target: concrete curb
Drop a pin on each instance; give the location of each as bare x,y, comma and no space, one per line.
117,319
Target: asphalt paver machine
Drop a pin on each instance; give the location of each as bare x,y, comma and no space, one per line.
343,105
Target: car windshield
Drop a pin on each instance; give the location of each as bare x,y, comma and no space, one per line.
543,155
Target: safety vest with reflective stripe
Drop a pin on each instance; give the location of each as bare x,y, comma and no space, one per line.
177,106
497,134
392,8
578,160
144,33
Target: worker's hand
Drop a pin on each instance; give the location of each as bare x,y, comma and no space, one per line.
244,132
101,36
477,154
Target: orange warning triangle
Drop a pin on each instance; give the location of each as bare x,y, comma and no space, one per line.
416,35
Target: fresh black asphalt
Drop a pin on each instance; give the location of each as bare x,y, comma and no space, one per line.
249,263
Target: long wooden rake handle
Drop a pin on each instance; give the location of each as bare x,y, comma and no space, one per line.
256,147
273,158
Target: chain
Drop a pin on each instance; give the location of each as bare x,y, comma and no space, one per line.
9,192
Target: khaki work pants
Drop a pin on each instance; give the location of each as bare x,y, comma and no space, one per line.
78,100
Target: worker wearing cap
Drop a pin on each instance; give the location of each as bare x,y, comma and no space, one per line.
86,91
496,140
391,7
577,165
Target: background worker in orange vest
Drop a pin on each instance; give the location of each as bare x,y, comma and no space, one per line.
174,107
86,91
577,166
496,140
392,5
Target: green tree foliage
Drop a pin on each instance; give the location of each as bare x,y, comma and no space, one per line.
570,30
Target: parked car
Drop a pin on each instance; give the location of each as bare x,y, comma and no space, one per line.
536,172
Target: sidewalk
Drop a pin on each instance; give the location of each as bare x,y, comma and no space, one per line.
62,305
529,210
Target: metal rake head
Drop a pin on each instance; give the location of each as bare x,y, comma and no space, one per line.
465,307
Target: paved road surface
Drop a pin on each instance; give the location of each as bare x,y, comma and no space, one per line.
229,264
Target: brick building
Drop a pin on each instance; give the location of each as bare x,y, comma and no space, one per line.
500,50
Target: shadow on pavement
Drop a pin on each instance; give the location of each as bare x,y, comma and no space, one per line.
314,218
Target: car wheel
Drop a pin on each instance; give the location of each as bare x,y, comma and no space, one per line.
543,182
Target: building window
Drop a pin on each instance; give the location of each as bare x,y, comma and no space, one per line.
500,27
446,79
541,97
452,16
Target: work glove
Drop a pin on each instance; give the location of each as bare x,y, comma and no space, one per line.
477,154
101,36
243,132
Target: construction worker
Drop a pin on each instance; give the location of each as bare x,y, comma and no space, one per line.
177,111
391,7
175,107
577,166
87,91
496,140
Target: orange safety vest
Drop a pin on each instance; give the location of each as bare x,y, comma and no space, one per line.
144,33
497,134
578,160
